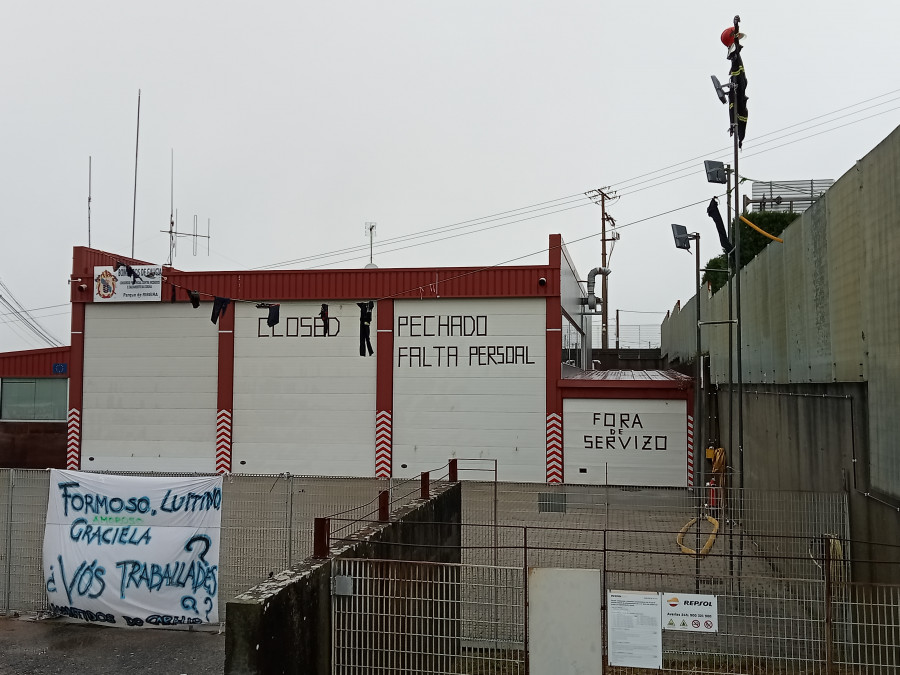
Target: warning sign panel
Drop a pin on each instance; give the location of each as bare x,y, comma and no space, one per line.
686,611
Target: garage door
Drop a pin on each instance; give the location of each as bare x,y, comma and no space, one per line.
625,442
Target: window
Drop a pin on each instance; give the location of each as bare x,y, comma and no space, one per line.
33,399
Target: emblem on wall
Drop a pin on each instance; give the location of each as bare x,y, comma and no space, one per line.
106,284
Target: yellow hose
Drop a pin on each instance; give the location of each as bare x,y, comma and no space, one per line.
709,541
763,232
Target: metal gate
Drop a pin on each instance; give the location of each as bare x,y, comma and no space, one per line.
395,616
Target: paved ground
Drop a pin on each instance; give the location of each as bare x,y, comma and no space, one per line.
51,646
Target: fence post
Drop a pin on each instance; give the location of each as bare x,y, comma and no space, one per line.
425,490
826,568
290,520
384,506
525,592
321,535
9,531
454,476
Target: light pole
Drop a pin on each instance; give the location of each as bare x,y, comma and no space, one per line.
683,241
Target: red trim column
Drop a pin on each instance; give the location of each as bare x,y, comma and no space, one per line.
225,395
384,388
76,389
554,398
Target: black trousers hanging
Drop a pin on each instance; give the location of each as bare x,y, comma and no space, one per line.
364,341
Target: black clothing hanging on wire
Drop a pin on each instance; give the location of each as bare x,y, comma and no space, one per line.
324,316
219,307
737,93
365,320
713,212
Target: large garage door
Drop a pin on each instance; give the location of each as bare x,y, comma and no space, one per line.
625,442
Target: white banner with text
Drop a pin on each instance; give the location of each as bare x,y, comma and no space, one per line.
133,551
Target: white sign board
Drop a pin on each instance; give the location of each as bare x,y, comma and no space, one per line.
133,551
634,636
625,441
686,611
126,283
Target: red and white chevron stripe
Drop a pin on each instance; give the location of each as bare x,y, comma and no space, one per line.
73,439
690,450
223,441
383,435
554,449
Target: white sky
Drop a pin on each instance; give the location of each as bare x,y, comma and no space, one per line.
293,124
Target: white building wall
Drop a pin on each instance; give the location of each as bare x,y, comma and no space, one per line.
303,402
150,373
470,381
625,442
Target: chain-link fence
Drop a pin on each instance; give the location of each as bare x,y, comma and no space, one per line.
267,525
779,562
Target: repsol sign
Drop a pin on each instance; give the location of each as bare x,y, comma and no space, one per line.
697,603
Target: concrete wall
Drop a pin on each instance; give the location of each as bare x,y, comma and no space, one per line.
821,308
284,624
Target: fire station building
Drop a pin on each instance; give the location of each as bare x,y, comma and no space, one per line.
366,372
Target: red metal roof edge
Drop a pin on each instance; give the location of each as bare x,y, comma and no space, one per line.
33,362
376,283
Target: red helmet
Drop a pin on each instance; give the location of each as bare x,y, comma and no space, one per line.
728,36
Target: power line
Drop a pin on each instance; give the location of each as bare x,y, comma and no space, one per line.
37,309
569,199
549,207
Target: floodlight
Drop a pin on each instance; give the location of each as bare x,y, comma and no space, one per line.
720,90
715,171
682,238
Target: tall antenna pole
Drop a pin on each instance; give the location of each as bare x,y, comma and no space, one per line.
89,201
172,209
370,232
136,143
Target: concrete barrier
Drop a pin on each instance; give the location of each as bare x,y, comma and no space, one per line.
283,625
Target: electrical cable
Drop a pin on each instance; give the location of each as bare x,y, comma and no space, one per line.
685,172
24,317
459,225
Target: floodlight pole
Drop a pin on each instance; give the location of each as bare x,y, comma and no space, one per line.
737,293
698,417
698,365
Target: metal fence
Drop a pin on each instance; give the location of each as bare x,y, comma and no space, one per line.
392,616
781,564
267,525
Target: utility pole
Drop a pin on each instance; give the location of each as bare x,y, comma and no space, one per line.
602,194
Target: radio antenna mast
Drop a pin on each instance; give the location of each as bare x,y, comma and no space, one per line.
172,208
136,143
370,233
89,201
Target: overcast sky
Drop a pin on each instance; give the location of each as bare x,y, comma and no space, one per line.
293,124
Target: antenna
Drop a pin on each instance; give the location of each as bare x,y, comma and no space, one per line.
89,201
370,233
136,143
174,234
172,208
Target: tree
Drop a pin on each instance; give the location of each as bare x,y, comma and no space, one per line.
752,242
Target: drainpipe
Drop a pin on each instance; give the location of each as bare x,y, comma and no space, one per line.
592,299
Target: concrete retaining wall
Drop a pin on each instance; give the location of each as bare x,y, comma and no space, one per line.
283,625
820,314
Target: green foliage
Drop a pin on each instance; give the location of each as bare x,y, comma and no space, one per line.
752,242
